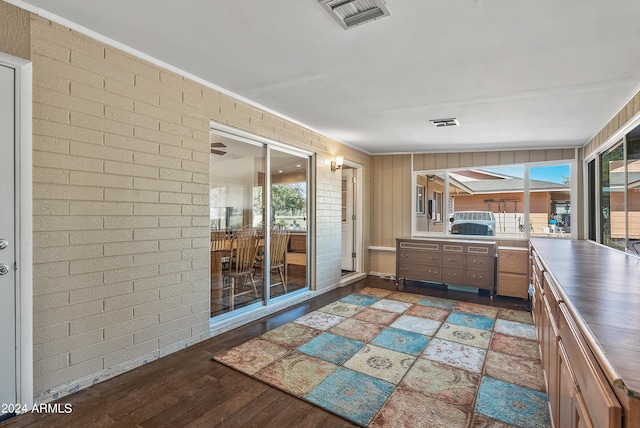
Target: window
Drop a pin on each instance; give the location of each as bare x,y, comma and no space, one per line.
614,186
491,201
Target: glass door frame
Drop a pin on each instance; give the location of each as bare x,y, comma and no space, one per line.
310,158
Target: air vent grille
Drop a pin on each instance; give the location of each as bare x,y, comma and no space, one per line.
441,123
351,13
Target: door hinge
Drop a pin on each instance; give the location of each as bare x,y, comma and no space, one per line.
353,255
353,217
354,180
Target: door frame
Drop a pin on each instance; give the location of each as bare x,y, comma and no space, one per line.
358,247
24,230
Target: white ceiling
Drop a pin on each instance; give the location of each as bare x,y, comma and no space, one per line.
516,74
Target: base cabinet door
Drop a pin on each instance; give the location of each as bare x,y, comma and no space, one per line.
571,412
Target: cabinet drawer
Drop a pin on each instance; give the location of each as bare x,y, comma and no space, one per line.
411,256
514,260
478,278
453,275
478,261
603,407
419,272
452,259
421,246
480,250
552,295
453,248
513,285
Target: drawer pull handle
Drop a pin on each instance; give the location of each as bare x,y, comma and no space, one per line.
452,259
404,255
477,277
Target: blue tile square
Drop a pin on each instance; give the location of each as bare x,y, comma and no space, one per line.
401,341
438,302
353,395
470,320
331,347
513,404
359,299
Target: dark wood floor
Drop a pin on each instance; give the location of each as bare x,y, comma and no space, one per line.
188,388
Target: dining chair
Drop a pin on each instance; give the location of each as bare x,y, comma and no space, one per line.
278,253
243,250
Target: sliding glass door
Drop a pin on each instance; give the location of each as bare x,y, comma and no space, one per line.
258,221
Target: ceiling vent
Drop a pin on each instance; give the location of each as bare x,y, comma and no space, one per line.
442,123
351,13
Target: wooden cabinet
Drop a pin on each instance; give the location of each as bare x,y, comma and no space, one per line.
454,262
513,272
578,392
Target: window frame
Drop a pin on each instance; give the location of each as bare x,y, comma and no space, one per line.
526,193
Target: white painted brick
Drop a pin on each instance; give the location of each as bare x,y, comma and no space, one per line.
128,327
100,264
156,184
131,143
44,223
46,302
130,169
99,236
97,350
57,160
50,332
102,208
100,179
100,292
60,377
51,364
133,273
65,344
125,195
155,258
67,253
136,247
130,300
154,234
157,209
130,222
156,282
100,321
51,284
129,353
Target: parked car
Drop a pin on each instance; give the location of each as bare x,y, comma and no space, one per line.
473,223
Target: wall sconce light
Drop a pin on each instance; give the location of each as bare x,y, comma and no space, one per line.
337,164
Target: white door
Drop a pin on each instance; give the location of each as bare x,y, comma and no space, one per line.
8,386
348,219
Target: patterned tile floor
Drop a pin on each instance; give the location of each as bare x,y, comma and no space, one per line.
382,358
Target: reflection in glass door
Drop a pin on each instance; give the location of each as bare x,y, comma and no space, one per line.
633,191
236,223
612,212
258,237
287,269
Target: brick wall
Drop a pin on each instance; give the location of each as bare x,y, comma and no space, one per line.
121,206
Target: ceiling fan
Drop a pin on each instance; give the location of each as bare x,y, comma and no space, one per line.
216,146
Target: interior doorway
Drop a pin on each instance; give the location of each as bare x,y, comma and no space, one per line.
351,220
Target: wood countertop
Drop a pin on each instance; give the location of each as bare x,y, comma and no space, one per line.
601,288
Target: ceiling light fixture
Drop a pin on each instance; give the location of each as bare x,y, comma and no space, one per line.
351,13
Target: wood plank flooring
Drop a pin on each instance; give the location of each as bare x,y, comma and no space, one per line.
189,389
